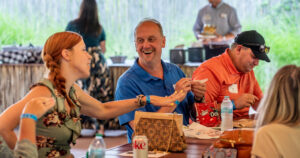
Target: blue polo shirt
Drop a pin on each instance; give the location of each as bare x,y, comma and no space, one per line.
136,81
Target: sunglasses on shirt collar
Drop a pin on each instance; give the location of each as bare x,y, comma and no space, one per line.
259,47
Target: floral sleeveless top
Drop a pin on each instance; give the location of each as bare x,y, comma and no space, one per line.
57,129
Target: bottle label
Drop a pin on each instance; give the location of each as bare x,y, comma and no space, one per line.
226,110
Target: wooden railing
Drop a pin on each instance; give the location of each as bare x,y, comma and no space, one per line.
16,79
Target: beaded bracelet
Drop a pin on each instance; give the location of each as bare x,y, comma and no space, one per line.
147,99
177,102
31,116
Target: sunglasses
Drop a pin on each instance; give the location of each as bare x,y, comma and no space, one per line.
261,48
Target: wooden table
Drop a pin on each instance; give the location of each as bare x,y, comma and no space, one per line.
195,147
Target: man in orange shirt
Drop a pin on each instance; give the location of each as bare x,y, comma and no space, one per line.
231,73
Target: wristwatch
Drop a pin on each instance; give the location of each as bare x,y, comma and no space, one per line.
140,101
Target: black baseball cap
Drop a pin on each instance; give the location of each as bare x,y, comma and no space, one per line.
253,40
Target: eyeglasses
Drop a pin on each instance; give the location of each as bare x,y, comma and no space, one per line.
261,48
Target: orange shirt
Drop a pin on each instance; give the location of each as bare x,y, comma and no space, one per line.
225,80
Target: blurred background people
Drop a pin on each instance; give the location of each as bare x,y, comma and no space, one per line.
220,20
98,84
231,73
278,121
25,146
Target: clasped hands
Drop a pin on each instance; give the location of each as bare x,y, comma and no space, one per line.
187,84
245,100
182,87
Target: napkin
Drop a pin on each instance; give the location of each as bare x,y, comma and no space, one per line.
196,130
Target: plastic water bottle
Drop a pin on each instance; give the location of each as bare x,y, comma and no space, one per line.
97,147
226,114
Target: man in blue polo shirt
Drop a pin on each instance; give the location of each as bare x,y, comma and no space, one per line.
152,76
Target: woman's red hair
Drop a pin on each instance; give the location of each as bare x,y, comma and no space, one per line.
52,54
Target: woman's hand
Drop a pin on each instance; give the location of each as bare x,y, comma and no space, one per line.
39,106
172,100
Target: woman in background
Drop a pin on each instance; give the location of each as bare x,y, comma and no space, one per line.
98,84
278,122
65,57
88,26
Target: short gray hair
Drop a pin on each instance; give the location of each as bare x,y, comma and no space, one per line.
149,20
233,45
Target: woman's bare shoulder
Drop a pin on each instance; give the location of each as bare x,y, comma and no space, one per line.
40,91
12,114
79,92
37,91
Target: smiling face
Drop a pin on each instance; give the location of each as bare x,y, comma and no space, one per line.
246,60
80,60
149,43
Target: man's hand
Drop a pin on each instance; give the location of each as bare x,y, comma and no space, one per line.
183,84
245,100
217,39
206,41
198,88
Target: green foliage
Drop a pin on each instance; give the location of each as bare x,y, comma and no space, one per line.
284,43
287,11
10,32
31,21
15,32
281,28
